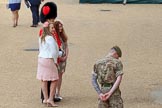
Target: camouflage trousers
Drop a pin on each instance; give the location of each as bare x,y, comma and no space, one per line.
115,101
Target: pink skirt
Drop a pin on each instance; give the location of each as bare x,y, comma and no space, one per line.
47,70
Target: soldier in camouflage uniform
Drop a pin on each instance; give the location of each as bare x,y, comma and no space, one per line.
108,73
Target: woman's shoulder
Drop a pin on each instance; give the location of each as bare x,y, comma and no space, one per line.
49,38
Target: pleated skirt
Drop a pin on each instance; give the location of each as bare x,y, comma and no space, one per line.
47,70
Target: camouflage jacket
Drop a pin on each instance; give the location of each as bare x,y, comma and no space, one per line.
108,69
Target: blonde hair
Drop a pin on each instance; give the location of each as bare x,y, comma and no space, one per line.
62,34
45,32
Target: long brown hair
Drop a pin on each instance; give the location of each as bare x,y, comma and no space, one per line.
62,34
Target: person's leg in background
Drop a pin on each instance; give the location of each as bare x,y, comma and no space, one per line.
17,17
38,18
33,9
14,18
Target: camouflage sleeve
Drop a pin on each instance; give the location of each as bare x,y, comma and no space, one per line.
119,69
95,84
94,79
95,69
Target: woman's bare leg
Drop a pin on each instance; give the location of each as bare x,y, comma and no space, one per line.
45,91
17,17
52,93
14,18
59,84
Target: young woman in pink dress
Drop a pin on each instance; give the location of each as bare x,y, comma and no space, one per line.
47,63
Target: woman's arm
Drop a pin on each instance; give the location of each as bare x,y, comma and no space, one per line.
53,48
64,58
66,50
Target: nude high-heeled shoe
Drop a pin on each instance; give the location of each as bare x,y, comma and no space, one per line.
50,103
44,101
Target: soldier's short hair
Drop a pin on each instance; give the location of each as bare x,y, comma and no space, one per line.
118,50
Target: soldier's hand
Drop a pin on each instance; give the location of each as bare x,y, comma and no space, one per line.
107,95
101,96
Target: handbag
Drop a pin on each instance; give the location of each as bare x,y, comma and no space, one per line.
27,3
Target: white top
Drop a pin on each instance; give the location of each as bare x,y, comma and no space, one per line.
49,48
14,1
